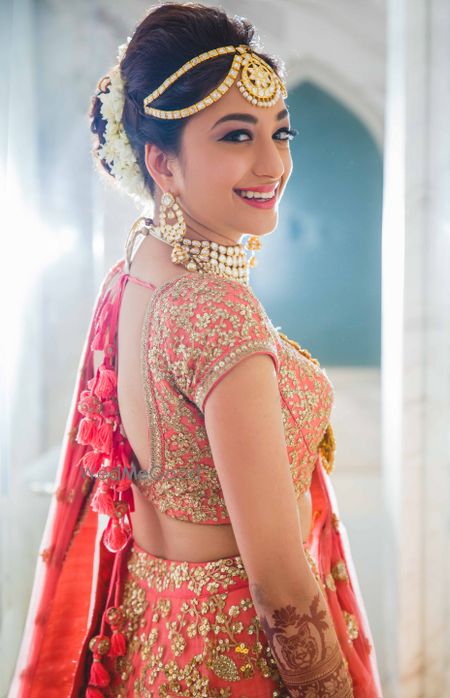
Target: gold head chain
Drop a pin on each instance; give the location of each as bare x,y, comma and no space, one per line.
259,83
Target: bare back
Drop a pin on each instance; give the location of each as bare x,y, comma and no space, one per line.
153,530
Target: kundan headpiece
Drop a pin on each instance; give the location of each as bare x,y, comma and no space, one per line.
259,83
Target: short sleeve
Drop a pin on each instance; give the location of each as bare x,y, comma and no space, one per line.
211,325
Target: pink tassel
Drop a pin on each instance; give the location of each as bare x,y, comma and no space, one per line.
102,502
86,430
106,383
109,409
115,537
114,616
103,437
101,328
123,485
88,404
99,675
92,461
118,644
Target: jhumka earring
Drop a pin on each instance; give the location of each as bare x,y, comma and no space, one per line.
172,226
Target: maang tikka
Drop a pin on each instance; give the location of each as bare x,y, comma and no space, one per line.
202,256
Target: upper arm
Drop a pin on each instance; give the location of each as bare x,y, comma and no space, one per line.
223,355
243,419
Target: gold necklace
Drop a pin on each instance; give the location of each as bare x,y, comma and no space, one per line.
202,256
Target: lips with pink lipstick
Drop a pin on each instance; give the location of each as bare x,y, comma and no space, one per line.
262,196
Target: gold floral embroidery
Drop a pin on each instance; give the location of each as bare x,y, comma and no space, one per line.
307,397
329,581
229,647
327,448
312,564
196,328
163,576
352,625
339,571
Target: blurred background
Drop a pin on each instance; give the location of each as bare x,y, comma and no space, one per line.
358,272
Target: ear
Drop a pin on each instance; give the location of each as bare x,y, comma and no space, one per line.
158,164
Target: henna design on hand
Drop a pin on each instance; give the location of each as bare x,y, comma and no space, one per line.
310,664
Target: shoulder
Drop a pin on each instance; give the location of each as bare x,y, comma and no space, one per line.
195,286
201,301
206,325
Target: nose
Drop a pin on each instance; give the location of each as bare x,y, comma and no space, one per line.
269,161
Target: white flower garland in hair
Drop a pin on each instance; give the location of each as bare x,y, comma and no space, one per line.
117,150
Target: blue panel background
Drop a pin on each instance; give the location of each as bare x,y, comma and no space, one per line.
319,272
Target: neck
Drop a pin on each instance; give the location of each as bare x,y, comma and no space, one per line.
195,255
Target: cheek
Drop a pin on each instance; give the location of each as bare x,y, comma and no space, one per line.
214,170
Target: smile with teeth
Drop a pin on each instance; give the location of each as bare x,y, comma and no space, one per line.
248,194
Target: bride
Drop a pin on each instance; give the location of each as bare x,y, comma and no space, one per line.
193,546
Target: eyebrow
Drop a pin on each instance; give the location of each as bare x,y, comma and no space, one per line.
248,117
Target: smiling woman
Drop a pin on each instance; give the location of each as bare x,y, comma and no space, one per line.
259,163
223,569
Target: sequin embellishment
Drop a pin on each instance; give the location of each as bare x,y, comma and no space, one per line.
196,329
191,630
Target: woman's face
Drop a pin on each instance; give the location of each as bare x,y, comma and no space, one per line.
229,146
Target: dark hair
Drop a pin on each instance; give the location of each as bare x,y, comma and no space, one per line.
167,37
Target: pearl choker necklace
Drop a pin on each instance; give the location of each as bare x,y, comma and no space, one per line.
204,256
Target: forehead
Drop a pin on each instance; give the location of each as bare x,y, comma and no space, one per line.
233,102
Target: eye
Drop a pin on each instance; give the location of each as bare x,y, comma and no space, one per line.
290,133
232,136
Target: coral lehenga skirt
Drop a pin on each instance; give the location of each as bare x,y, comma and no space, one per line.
191,628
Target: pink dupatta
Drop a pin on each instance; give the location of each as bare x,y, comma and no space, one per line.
329,545
78,571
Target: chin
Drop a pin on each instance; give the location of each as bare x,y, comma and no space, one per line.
263,227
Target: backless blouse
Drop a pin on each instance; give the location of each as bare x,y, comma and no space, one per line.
196,328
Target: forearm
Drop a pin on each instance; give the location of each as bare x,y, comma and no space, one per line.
301,635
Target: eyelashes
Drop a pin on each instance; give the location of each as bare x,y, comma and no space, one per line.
291,133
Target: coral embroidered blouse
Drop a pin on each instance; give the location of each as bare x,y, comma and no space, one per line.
196,328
